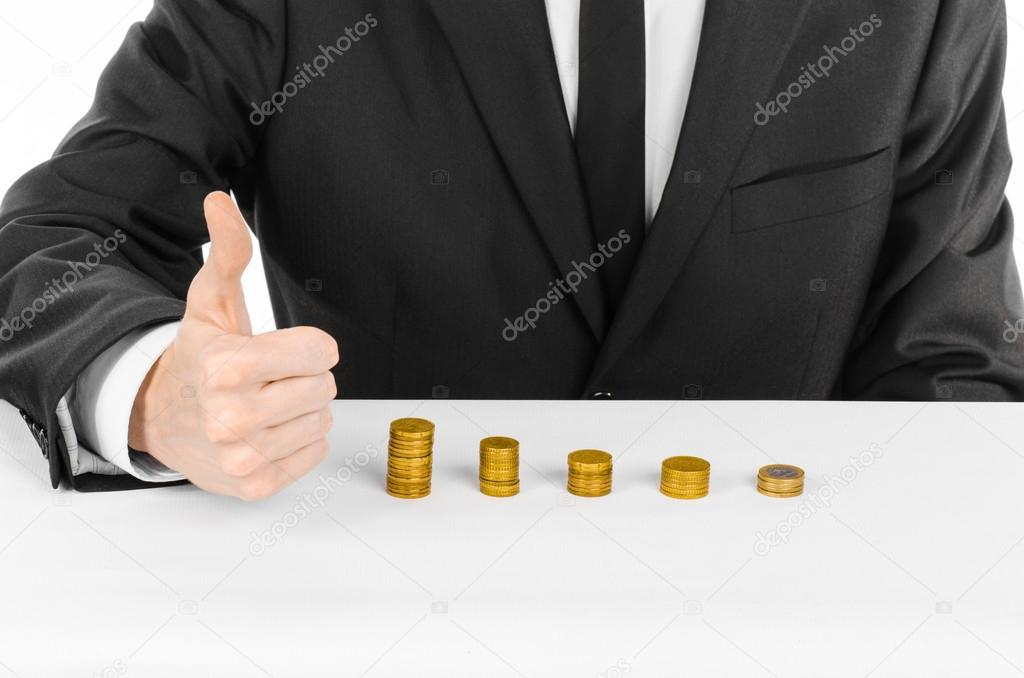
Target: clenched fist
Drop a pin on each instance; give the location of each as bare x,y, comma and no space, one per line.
237,414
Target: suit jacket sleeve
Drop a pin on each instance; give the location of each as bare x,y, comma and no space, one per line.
105,237
947,287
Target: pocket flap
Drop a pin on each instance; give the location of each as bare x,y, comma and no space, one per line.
773,201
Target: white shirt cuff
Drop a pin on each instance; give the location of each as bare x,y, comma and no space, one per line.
101,401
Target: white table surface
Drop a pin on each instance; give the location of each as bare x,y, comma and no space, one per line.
911,564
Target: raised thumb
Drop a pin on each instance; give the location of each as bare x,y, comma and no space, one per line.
215,295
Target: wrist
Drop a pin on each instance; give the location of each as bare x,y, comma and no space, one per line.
153,398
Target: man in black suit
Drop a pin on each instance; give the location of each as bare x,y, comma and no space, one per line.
833,225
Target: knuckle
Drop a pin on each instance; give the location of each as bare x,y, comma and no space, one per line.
228,374
256,489
237,419
241,463
216,432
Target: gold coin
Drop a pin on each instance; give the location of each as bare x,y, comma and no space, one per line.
494,478
781,473
404,454
780,488
603,477
500,492
685,479
500,468
590,477
407,487
685,465
419,446
411,463
503,464
499,444
780,495
685,488
404,495
590,460
412,428
589,488
407,482
426,444
677,495
590,494
498,485
400,474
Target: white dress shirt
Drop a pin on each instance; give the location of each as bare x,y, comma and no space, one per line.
95,427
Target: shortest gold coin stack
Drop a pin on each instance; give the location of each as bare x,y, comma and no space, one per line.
499,466
410,458
590,473
685,477
780,480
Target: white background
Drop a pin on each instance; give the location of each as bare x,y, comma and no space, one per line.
905,562
52,53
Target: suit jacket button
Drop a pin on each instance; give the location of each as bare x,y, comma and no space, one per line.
601,395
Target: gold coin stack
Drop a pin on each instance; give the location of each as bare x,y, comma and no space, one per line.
499,466
410,458
685,477
590,473
780,480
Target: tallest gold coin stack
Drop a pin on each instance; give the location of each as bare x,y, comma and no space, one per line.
410,458
499,466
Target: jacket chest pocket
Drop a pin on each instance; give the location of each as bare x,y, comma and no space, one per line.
795,196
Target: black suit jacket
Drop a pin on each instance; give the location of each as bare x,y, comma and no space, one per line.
423,194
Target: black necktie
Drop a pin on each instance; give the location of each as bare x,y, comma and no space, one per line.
610,131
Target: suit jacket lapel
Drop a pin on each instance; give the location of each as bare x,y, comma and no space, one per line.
742,46
504,51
